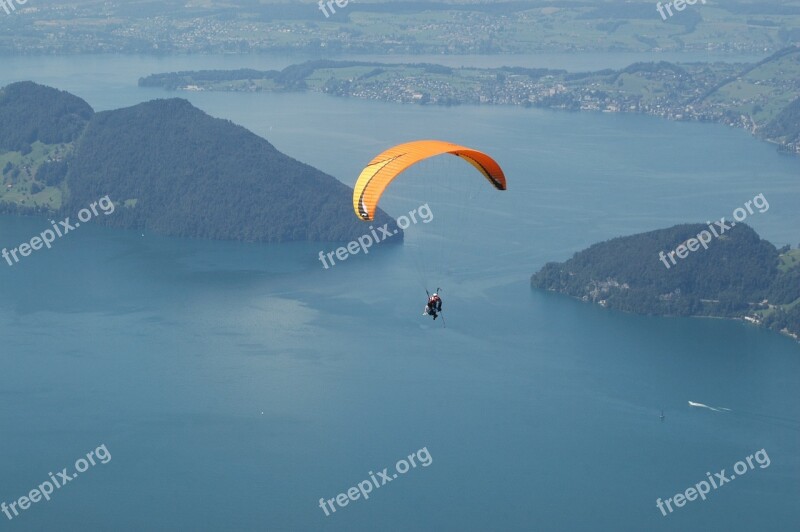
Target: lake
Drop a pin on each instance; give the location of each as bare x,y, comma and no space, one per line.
234,385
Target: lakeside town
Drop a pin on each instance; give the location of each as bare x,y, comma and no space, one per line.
763,98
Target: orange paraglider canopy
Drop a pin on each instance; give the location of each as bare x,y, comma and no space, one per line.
385,167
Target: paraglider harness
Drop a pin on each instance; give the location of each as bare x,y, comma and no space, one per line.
434,305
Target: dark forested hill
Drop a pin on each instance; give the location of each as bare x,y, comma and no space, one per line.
184,173
737,276
168,167
30,112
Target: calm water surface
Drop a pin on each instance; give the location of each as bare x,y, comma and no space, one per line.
236,384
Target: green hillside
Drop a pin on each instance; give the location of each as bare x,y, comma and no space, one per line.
739,275
169,167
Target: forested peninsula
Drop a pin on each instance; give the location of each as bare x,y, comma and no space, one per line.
739,276
168,167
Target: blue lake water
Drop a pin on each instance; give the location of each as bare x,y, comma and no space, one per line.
235,385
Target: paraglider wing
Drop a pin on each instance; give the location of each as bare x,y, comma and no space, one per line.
385,167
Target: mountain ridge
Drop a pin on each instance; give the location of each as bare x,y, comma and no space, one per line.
172,169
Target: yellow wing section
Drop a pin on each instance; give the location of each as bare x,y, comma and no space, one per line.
385,167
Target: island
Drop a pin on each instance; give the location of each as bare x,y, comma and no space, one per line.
168,168
738,276
763,97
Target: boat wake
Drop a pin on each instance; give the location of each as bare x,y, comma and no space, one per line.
715,409
781,421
